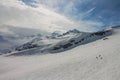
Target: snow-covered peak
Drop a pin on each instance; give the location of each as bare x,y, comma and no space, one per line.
56,34
74,31
59,44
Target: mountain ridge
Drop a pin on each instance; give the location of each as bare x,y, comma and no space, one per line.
61,44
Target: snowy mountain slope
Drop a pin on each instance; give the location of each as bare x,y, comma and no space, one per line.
98,60
11,37
68,41
79,39
43,42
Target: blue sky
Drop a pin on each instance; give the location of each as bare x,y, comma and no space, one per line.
106,11
61,14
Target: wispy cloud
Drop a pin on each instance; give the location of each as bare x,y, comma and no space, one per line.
17,13
27,16
53,15
92,9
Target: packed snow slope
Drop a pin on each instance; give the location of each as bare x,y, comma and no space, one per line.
98,60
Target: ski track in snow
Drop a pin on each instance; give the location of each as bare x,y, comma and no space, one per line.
97,60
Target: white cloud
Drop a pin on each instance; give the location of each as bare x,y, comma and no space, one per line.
16,13
6,32
90,26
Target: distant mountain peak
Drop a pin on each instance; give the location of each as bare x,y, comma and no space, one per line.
74,31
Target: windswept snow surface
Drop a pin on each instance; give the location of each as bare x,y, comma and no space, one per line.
98,60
